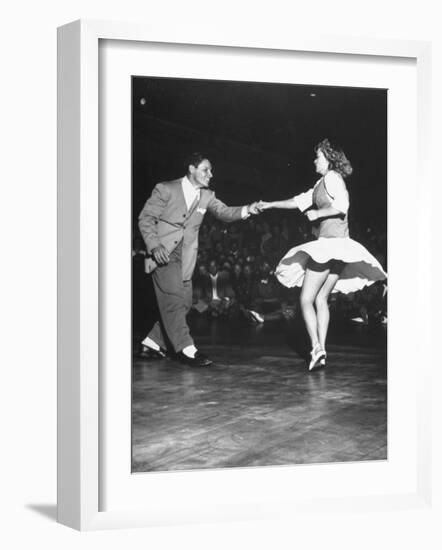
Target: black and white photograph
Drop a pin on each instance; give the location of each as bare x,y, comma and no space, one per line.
220,275
259,274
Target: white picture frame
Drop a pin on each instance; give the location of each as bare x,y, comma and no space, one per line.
79,294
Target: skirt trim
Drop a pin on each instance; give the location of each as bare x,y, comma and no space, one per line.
362,268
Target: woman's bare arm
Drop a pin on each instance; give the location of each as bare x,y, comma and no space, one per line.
313,215
288,204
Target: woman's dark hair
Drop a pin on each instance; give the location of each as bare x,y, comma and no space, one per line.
336,157
194,159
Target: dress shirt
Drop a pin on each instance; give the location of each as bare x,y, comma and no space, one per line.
191,193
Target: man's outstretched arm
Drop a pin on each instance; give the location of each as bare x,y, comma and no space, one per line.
231,213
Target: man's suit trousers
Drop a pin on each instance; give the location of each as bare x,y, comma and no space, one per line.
174,297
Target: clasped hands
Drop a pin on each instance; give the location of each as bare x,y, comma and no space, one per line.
258,207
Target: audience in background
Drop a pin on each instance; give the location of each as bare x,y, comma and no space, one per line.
234,274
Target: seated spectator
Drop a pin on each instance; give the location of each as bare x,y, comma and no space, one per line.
344,306
216,235
199,284
266,235
231,259
233,237
227,267
251,260
246,284
219,249
275,247
363,307
218,291
202,258
290,302
204,241
234,251
221,259
250,234
266,304
237,277
375,298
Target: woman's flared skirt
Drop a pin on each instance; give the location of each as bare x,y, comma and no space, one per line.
361,268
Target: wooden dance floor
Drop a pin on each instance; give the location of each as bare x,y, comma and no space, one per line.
259,406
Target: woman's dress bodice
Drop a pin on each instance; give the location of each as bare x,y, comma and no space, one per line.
332,226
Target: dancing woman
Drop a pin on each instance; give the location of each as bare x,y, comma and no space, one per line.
333,262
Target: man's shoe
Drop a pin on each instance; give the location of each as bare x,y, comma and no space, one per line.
149,354
200,360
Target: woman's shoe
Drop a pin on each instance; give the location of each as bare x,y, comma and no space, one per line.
317,354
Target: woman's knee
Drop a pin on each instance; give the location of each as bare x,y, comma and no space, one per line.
306,300
321,300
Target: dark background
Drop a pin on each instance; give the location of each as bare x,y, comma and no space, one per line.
259,138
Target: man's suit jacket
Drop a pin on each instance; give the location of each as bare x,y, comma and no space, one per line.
166,220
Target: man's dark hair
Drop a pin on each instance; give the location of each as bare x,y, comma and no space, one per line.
194,159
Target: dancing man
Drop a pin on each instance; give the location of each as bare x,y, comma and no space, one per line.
169,223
